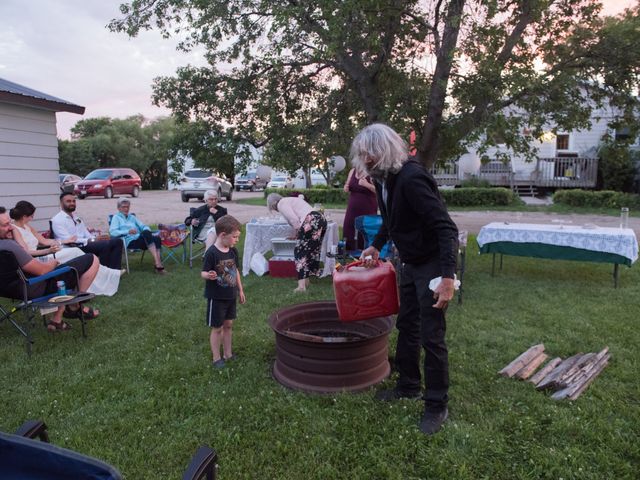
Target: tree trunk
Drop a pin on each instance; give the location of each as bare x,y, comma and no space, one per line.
429,147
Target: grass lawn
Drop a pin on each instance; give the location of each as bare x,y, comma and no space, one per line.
140,392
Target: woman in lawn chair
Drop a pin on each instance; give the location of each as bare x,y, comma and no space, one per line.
136,234
203,219
86,266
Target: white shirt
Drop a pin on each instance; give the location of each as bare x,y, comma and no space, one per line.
66,225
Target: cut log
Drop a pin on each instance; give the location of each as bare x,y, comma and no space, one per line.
556,373
594,373
582,367
545,370
523,360
526,371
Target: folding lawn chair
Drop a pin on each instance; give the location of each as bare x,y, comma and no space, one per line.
125,249
24,458
368,226
11,272
194,243
172,237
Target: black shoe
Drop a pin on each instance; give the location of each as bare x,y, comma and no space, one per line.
432,421
393,394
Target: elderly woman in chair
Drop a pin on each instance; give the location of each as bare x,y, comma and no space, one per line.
136,234
203,219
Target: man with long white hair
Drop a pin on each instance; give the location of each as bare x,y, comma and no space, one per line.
416,219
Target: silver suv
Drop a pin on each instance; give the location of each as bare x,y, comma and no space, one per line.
195,182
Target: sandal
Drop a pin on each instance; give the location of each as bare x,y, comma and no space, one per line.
89,313
55,327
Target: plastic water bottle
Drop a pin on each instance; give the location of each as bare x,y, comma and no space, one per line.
62,288
624,217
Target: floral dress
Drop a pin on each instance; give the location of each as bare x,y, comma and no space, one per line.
307,251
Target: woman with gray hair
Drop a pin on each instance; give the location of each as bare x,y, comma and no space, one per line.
310,228
203,218
416,219
136,234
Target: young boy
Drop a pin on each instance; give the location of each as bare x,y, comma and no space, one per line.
223,285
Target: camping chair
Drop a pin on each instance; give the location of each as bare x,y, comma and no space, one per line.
368,226
194,244
125,249
10,272
171,237
22,457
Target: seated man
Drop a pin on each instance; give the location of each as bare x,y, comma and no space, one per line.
135,233
87,266
67,226
203,219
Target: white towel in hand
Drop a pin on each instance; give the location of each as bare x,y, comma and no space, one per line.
433,284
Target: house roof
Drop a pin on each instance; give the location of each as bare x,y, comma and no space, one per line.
20,95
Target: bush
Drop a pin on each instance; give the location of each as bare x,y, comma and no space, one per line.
475,182
616,167
468,197
599,199
323,194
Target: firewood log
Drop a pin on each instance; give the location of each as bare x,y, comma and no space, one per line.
526,371
556,373
523,360
586,363
593,374
545,370
581,383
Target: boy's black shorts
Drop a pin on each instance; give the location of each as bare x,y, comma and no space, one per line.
220,310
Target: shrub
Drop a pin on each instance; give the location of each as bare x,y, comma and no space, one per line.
599,199
313,195
467,197
475,182
616,167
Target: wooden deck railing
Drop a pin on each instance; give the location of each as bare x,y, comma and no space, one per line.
572,172
446,174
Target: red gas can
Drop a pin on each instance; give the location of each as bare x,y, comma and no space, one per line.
363,293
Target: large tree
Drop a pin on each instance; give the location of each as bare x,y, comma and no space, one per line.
302,76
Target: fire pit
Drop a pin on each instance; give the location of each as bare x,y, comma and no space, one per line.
317,353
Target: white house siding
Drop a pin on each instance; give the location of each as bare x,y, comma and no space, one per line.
29,165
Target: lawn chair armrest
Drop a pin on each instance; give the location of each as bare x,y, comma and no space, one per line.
52,274
32,429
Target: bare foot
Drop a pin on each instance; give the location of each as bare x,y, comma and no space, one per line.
299,289
306,282
123,271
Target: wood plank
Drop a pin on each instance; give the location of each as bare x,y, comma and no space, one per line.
522,360
586,365
565,378
581,384
526,371
545,370
549,380
590,380
33,138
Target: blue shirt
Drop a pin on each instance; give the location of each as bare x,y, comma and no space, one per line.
121,224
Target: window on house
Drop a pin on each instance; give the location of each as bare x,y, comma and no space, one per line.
562,141
623,133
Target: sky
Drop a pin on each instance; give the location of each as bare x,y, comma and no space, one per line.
63,48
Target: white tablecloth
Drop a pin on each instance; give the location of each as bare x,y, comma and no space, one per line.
620,241
259,235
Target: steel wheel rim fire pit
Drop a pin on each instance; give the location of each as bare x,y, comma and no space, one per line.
317,353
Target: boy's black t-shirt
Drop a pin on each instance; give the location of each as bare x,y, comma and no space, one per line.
225,287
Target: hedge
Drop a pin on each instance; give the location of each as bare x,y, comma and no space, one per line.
597,199
313,195
470,197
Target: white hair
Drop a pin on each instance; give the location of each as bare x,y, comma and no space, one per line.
122,201
272,201
381,144
210,194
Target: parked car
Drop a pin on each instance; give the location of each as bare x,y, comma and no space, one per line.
195,182
68,182
280,181
250,181
108,182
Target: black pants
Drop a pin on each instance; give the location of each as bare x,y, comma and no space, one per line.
145,239
419,324
108,251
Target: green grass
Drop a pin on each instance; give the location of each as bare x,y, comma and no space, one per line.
140,392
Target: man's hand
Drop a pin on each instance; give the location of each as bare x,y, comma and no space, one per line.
195,222
133,231
373,253
213,210
443,293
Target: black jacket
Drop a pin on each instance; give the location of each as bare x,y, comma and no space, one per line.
202,214
416,219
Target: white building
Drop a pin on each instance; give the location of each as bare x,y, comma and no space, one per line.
29,165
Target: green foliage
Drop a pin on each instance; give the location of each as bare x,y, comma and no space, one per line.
616,166
474,196
139,392
597,199
475,182
302,77
134,143
317,194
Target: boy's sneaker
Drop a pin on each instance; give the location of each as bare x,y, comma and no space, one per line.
219,363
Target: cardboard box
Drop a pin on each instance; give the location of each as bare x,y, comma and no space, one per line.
282,267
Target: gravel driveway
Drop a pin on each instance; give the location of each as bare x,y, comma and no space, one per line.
161,206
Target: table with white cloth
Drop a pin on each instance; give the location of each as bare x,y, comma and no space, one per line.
588,242
260,232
